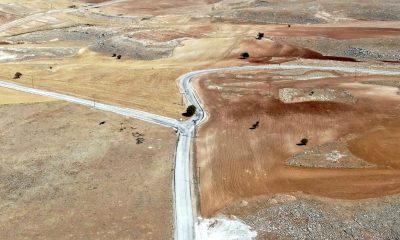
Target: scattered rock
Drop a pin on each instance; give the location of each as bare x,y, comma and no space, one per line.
293,95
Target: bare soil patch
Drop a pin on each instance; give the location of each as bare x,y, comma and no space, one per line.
380,145
339,33
237,162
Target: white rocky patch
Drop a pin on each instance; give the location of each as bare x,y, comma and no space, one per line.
6,56
224,228
334,156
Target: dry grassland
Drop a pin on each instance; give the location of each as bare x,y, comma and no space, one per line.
64,176
8,96
105,79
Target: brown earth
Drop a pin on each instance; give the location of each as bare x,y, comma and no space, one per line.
236,162
64,176
380,146
339,33
157,7
263,51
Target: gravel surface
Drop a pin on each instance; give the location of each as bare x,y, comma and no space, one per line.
104,40
7,54
360,49
304,217
136,49
304,12
77,33
329,155
290,95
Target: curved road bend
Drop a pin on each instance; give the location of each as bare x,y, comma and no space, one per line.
185,209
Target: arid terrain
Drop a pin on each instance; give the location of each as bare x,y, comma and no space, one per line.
351,124
64,176
280,148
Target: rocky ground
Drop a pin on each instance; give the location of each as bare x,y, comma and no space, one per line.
329,155
300,216
291,95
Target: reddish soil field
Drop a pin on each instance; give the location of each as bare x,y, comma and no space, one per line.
235,162
340,33
263,51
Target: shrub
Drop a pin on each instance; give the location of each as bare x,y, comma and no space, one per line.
303,142
190,111
17,75
244,55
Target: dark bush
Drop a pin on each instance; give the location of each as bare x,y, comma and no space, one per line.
190,111
17,75
255,125
244,55
303,142
119,56
260,36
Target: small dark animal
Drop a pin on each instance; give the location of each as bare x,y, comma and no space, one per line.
311,93
114,55
289,25
51,67
102,123
260,36
303,142
119,57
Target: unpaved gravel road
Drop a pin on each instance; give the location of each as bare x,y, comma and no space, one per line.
185,209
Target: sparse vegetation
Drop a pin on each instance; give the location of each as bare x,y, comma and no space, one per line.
190,111
17,75
303,142
244,55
